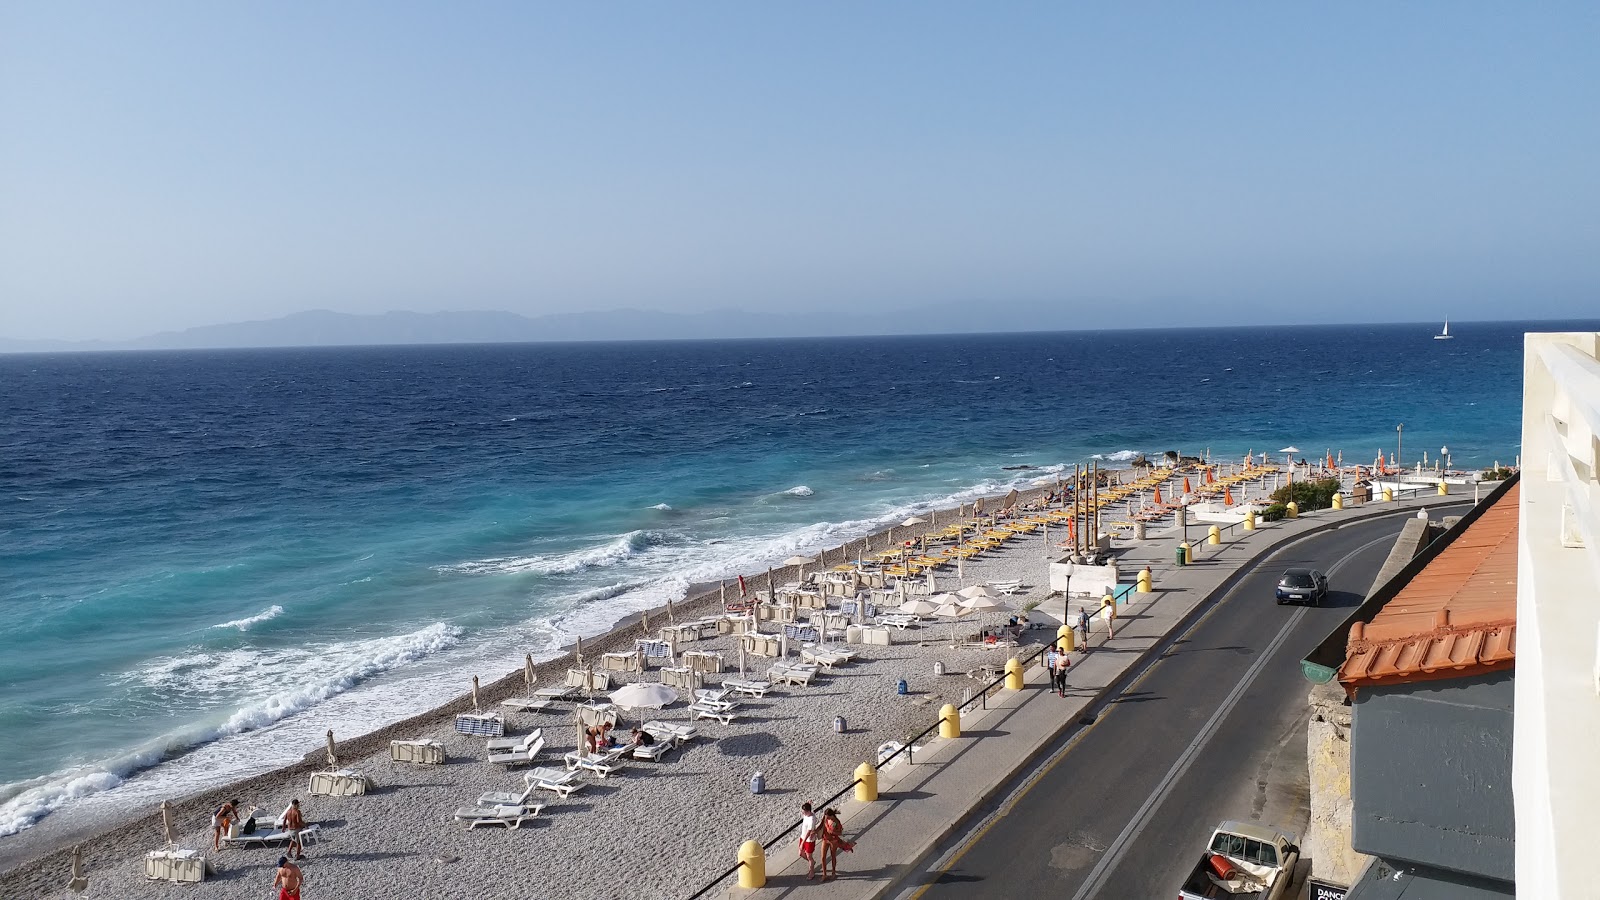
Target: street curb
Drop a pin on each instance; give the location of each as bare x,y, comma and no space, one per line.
1098,701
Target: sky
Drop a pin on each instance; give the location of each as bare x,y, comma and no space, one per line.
166,165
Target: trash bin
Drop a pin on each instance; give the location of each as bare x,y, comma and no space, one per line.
1182,557
938,667
838,724
758,783
901,688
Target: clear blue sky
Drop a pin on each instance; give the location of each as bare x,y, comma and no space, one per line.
164,165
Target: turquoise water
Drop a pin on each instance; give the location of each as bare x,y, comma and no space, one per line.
210,557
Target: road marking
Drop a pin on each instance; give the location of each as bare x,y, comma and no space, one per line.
951,859
1119,847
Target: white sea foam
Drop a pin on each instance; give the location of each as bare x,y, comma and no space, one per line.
295,679
609,553
266,615
1119,456
663,507
799,490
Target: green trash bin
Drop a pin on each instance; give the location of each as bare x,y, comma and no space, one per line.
1183,555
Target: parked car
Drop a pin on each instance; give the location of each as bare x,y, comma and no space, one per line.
1303,586
1243,862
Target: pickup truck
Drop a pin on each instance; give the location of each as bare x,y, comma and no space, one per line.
1243,862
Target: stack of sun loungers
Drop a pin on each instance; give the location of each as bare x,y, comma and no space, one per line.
676,733
706,709
757,689
524,753
603,764
793,673
563,782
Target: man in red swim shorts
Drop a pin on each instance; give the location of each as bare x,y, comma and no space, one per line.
287,880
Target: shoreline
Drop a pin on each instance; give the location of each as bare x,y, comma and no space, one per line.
49,849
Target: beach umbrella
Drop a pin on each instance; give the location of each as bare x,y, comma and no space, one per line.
79,882
171,833
1157,499
932,585
474,692
333,758
975,592
799,562
741,658
949,607
772,586
527,670
982,603
1227,495
644,622
1186,488
917,606
912,522
577,650
671,619
644,695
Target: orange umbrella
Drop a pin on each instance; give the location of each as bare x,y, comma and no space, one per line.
1211,475
1330,459
1158,495
1186,488
1227,495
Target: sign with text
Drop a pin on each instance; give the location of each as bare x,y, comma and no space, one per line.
1325,890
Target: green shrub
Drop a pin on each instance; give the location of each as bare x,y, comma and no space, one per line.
1498,474
1274,512
1315,494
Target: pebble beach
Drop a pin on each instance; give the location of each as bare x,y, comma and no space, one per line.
656,829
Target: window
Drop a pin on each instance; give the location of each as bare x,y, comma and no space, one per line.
1246,849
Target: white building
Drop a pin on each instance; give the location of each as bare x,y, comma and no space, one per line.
1556,744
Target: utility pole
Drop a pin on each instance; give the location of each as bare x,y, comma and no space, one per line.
1399,434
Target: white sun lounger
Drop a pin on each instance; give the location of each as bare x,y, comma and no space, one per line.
793,674
823,658
757,689
604,765
514,743
697,711
308,835
709,703
560,781
901,621
653,752
556,692
714,695
507,798
529,704
677,732
508,816
519,757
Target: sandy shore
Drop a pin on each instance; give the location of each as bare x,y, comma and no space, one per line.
608,840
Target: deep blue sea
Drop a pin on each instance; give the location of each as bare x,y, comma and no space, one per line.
208,558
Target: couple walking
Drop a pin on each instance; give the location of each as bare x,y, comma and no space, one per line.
830,833
1057,661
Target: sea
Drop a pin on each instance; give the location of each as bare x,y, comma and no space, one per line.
209,558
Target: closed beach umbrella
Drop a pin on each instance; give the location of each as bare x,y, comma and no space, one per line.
671,619
527,670
1227,495
1157,499
474,692
577,650
333,758
167,831
644,622
78,882
1186,488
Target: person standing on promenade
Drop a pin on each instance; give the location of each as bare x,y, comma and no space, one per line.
1083,625
808,839
222,821
832,842
1059,675
293,822
287,879
1051,656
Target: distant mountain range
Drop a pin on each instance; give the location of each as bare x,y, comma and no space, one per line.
323,328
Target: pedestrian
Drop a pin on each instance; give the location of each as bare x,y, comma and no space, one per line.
287,879
1083,625
808,839
1059,675
832,842
293,822
222,821
1050,657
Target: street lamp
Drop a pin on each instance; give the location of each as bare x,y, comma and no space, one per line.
1399,434
1445,452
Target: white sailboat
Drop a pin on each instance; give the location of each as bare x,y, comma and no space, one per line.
1444,335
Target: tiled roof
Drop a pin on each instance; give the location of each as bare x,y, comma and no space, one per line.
1456,617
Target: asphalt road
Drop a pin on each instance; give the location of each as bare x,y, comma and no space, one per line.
1213,730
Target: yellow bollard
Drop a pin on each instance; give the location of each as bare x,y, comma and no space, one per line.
1292,509
1013,676
1250,520
1444,488
752,865
1388,495
950,717
1145,579
1338,501
866,783
1066,639
1214,536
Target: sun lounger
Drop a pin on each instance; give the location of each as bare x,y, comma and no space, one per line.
709,703
901,621
603,765
757,689
514,743
697,711
519,757
506,798
421,751
556,692
181,866
654,751
823,658
714,694
528,704
308,835
678,732
790,673
507,816
560,781
343,783
481,724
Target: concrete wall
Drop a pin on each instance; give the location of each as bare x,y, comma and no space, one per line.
1327,839
1082,579
1432,774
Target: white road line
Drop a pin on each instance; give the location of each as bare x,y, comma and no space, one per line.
1130,832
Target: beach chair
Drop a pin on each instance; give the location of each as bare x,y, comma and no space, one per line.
901,621
558,691
757,689
697,711
823,658
419,751
603,765
708,703
506,816
514,743
562,782
714,695
308,836
519,757
677,732
653,752
530,704
507,798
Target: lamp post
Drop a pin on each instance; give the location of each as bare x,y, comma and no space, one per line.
1399,434
1444,453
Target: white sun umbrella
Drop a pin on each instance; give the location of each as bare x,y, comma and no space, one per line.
167,831
982,603
800,562
974,591
912,522
917,606
78,882
527,670
474,693
644,695
333,758
950,608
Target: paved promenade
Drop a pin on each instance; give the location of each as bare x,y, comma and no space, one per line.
921,804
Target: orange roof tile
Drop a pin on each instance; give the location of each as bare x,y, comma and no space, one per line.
1456,617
